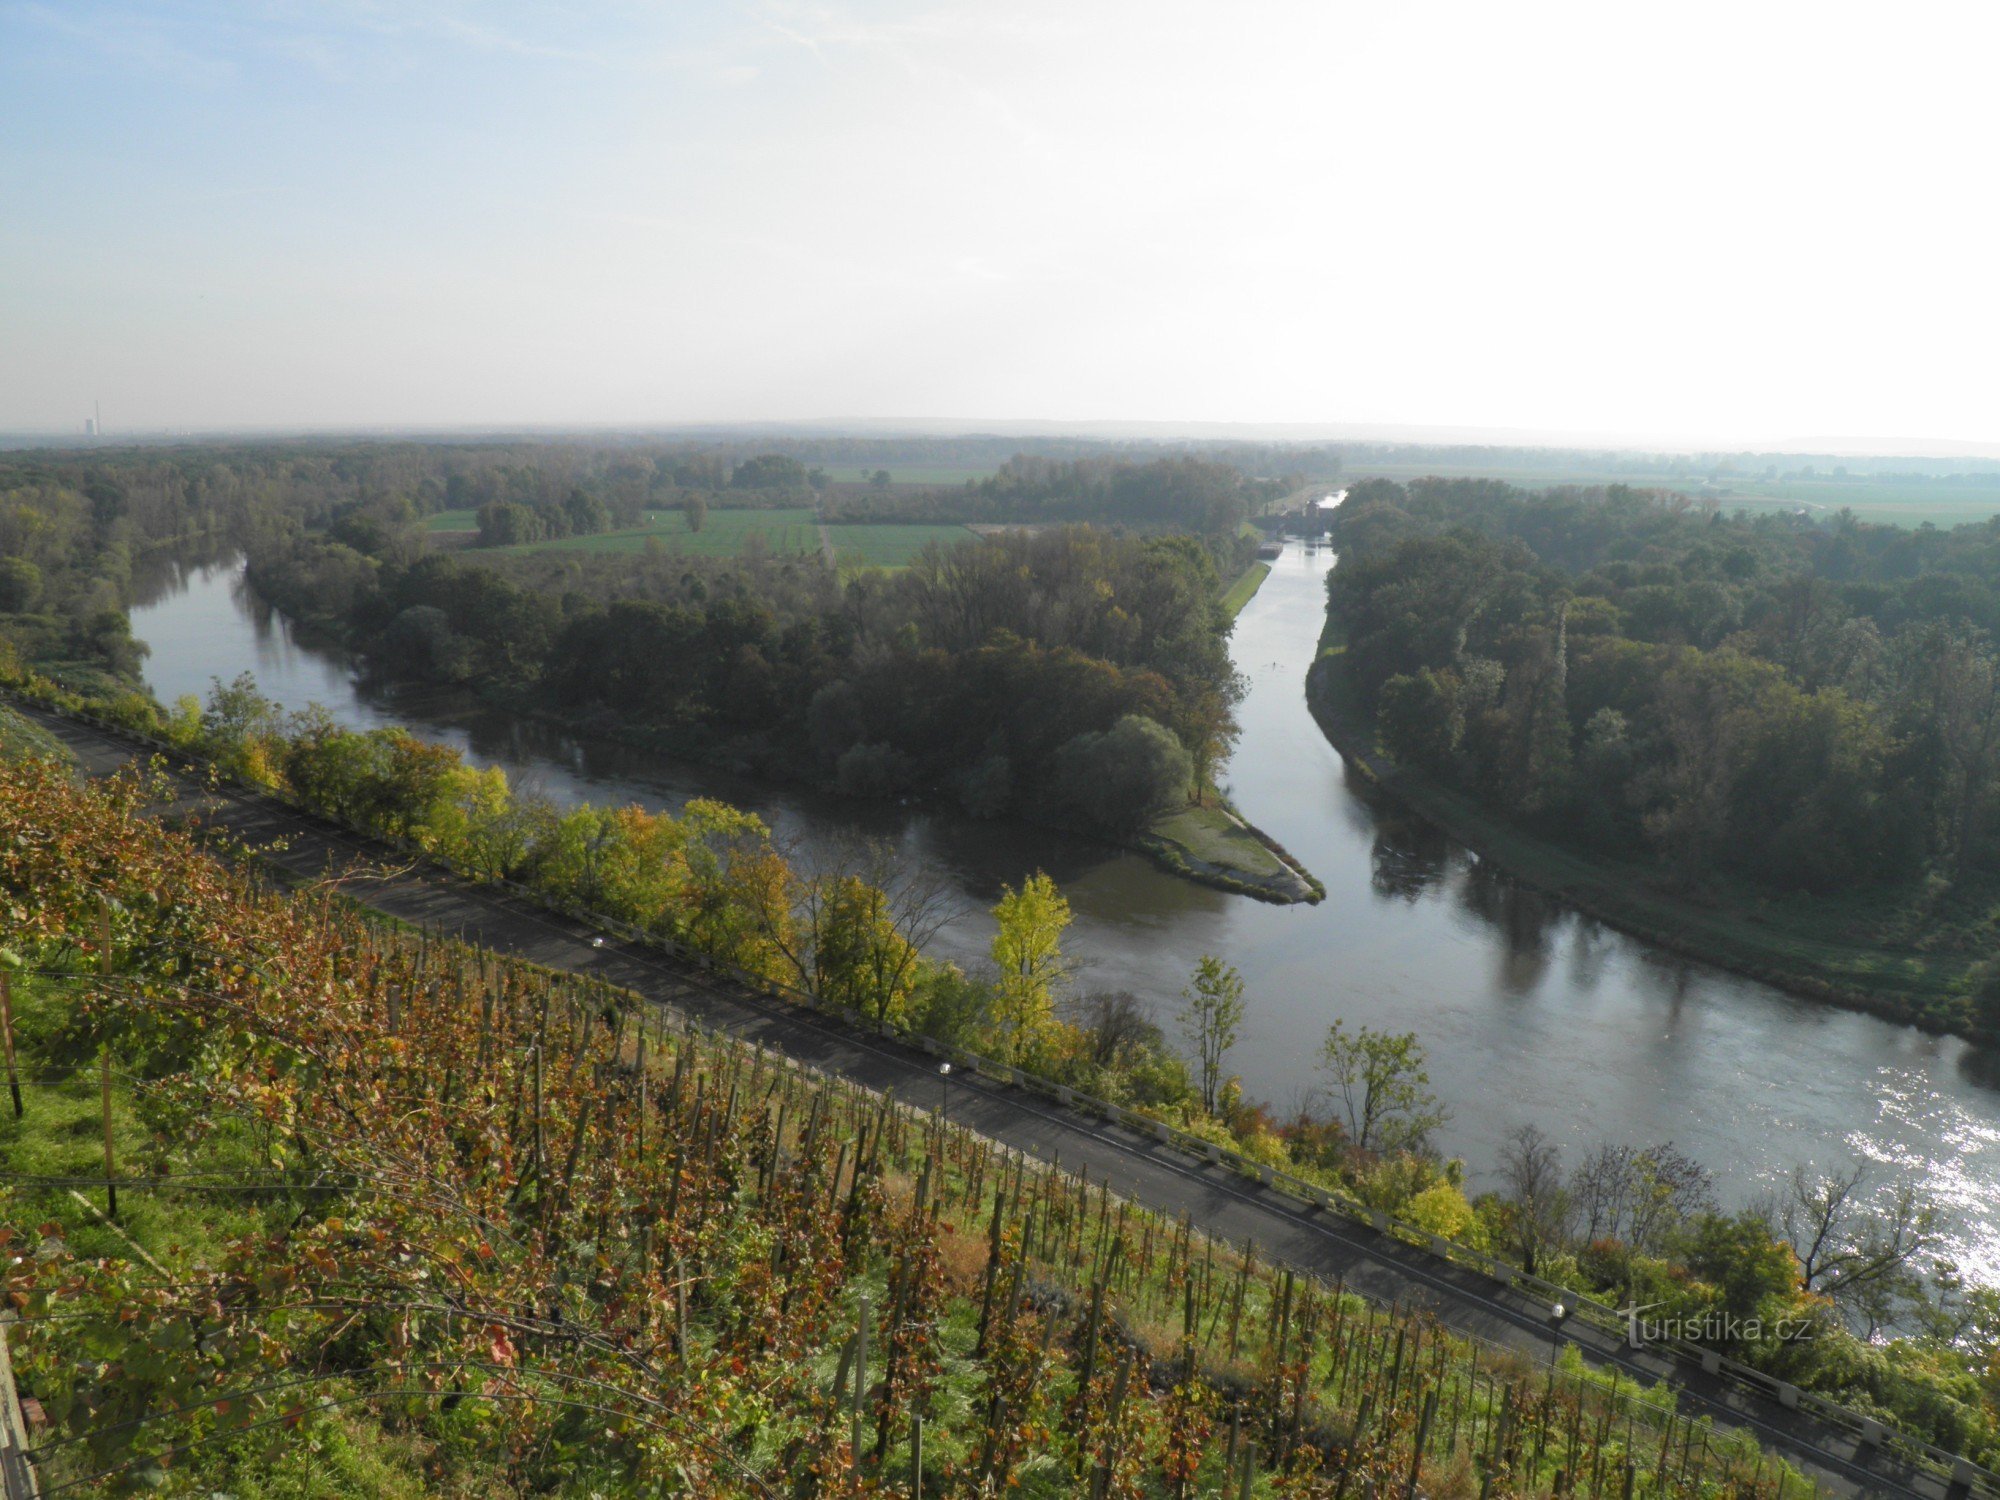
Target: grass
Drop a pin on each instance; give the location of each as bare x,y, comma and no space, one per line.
726,532
1892,502
19,736
723,534
1245,588
889,545
900,474
1211,835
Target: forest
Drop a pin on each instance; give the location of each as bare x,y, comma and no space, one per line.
1813,711
1076,672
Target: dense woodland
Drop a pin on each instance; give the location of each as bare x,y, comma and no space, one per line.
1807,708
1078,671
1080,675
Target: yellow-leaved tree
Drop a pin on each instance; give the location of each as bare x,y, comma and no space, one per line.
1027,950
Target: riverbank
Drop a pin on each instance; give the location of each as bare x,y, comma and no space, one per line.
1804,946
1244,589
1208,844
1213,844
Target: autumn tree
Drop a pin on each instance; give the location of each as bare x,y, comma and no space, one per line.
1211,1010
1379,1081
1027,952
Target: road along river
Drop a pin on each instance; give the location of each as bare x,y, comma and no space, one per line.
1530,1012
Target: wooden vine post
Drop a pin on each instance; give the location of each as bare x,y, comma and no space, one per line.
860,1379
103,1057
7,1030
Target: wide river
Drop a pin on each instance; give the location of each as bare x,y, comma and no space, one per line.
1529,1011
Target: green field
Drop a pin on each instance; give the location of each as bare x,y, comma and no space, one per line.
907,474
889,545
1886,501
725,533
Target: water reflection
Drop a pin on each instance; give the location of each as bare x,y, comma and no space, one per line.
1529,1011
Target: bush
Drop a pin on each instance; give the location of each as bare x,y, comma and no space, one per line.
989,789
876,770
1119,779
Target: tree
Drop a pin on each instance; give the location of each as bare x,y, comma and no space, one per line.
20,585
1121,778
1211,1010
1867,1257
694,510
1951,703
1531,1166
768,471
1116,1028
1420,718
1027,951
1379,1080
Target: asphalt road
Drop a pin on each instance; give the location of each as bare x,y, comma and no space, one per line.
1219,1201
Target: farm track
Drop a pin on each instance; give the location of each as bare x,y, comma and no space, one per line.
1218,1201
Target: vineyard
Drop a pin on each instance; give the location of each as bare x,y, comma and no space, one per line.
299,1203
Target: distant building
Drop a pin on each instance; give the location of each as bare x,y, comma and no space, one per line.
90,427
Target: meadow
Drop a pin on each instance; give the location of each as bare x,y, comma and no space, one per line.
726,532
1886,501
910,473
890,544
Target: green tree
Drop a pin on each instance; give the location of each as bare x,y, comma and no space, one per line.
1420,718
1211,1010
694,510
1121,778
1379,1080
20,585
1027,951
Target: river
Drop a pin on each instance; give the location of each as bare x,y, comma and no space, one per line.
1529,1012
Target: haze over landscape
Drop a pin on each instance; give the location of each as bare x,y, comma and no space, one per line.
1073,749
1719,225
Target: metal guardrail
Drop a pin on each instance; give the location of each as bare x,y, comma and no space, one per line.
1869,1431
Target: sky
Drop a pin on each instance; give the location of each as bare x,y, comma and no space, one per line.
1731,223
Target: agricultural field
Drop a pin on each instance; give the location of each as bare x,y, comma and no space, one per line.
888,545
726,532
723,534
1885,501
915,474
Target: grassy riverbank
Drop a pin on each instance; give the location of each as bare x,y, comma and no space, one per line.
1245,588
1211,844
1872,951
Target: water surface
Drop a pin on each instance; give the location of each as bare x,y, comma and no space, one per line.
1530,1012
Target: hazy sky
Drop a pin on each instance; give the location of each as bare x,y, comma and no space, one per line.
1736,221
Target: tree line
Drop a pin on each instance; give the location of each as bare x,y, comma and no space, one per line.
1074,673
1808,708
